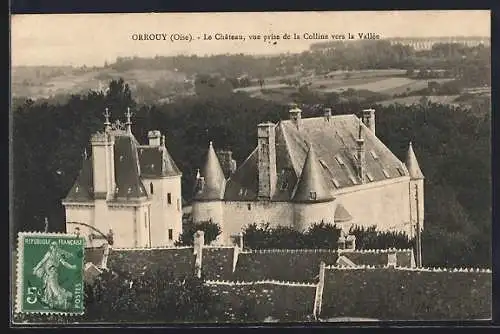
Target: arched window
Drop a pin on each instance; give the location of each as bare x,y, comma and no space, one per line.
151,190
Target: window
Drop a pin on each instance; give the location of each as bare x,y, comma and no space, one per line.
340,161
323,163
353,180
401,171
178,205
151,190
374,155
312,195
335,183
386,173
169,198
284,185
369,177
145,220
170,234
249,206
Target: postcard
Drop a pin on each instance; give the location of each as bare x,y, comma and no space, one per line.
251,168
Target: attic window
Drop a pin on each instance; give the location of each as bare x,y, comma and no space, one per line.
284,185
312,195
323,163
116,190
121,157
374,155
353,180
77,189
152,166
355,156
369,177
401,171
339,160
335,183
385,173
129,190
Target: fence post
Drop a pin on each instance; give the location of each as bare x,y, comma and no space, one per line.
199,241
319,291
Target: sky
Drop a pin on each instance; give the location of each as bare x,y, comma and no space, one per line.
92,39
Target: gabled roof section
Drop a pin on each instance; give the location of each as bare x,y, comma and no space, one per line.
83,188
214,179
412,164
312,186
127,169
334,141
155,161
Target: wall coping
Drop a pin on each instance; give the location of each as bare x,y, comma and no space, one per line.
326,250
449,270
273,282
149,248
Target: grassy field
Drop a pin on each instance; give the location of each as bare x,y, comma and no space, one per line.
42,85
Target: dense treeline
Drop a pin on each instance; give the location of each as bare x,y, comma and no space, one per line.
452,145
470,63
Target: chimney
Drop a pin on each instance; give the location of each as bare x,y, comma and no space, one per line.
360,154
154,138
369,119
328,113
227,162
128,122
103,164
296,116
266,160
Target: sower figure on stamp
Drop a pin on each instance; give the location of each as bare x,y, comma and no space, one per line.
53,294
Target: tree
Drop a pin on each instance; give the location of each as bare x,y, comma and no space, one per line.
212,231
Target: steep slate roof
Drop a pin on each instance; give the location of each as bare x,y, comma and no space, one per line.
215,181
83,188
341,214
334,142
131,162
127,169
312,180
155,161
412,164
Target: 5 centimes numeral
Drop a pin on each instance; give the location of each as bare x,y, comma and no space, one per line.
50,273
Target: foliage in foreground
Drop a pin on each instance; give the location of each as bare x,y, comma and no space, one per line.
212,231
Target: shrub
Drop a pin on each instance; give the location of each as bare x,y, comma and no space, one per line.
211,229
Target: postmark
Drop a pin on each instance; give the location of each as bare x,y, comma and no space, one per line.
50,273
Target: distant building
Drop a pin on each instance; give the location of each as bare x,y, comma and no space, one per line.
129,191
304,171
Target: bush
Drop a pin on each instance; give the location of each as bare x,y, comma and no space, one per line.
370,238
319,235
211,229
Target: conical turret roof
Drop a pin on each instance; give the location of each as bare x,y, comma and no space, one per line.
215,181
312,186
341,214
412,164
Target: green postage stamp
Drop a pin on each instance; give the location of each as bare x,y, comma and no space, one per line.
50,273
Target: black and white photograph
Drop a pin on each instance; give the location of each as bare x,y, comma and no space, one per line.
251,168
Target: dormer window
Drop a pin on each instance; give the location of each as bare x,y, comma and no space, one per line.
386,174
312,195
129,190
121,158
374,155
77,189
401,171
335,183
152,166
340,161
200,182
369,177
353,180
116,190
284,185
